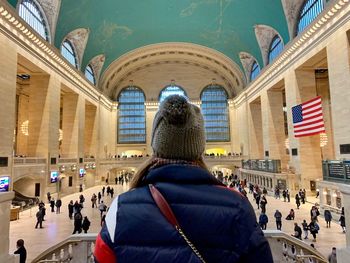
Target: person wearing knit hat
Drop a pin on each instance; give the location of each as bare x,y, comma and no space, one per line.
176,210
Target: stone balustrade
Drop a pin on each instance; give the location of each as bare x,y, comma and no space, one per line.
79,248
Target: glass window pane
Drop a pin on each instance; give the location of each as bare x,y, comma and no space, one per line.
310,10
215,113
30,12
89,74
68,52
275,48
255,71
171,90
132,117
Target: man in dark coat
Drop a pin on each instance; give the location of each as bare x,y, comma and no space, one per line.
52,205
70,209
77,223
58,206
86,224
21,250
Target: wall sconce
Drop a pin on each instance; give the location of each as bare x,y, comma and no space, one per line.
93,166
73,168
62,168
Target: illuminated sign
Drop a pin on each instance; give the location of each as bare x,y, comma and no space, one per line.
4,183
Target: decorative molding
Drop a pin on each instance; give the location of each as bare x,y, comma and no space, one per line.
79,38
97,64
51,9
247,61
20,33
264,35
332,17
292,10
174,52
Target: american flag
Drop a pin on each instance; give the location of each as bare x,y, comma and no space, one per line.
308,118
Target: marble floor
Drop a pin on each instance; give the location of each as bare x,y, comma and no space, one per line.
58,226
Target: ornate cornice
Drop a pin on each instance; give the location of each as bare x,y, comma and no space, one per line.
332,17
24,36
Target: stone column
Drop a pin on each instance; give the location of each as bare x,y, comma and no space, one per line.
44,116
233,128
273,125
91,128
151,110
8,72
73,124
255,131
343,254
22,128
339,80
300,87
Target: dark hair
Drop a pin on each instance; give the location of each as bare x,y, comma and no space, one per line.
20,242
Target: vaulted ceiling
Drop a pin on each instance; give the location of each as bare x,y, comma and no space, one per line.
119,26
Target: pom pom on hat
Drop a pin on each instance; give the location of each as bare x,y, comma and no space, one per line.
178,130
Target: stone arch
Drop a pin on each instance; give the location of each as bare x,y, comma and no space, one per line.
97,63
247,61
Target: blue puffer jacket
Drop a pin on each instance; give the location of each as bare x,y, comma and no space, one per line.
220,222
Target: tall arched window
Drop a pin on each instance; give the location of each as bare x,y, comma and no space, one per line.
171,90
30,12
131,116
276,48
254,71
310,10
215,112
89,74
68,52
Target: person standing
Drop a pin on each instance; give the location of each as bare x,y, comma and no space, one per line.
102,207
93,200
99,196
263,220
327,217
332,258
86,224
77,223
176,174
58,206
297,201
111,192
48,196
288,196
314,228
21,251
342,222
263,204
278,216
103,191
70,209
305,229
52,205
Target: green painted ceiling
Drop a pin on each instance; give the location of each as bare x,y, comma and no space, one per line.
119,26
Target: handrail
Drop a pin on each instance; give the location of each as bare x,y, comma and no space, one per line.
323,260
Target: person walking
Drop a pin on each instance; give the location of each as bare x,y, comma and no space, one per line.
86,224
99,196
305,229
111,192
103,191
52,205
342,222
177,177
263,220
93,201
314,228
278,216
39,218
21,251
77,223
70,209
327,217
102,207
58,206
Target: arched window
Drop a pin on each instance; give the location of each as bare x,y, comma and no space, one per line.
310,10
215,112
275,48
131,116
30,12
255,71
89,74
171,90
68,52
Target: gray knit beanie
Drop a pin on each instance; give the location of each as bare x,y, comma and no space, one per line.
178,130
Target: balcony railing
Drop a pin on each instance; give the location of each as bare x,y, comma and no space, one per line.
67,160
79,248
28,161
337,171
270,166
